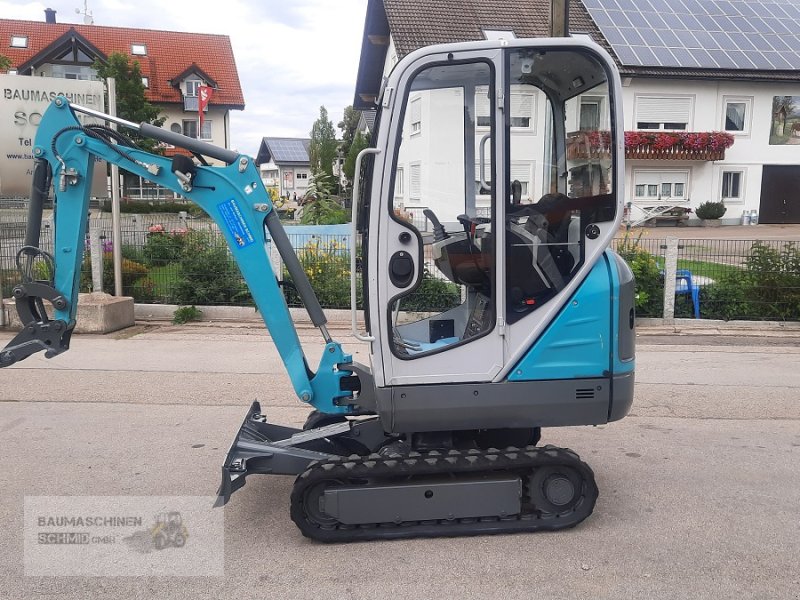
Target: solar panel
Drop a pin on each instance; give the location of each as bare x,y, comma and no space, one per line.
709,34
287,150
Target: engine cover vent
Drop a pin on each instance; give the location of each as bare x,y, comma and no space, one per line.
584,394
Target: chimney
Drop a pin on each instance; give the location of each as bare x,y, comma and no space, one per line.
559,18
49,15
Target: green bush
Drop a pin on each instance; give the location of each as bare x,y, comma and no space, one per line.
768,287
649,280
207,274
327,266
162,247
186,314
132,273
727,298
432,295
711,210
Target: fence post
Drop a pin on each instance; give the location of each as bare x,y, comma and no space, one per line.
96,253
670,271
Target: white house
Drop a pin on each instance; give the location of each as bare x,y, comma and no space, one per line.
173,66
695,67
284,165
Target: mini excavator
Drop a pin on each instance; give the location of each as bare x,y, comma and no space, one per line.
495,167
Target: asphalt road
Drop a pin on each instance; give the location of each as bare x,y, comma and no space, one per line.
699,486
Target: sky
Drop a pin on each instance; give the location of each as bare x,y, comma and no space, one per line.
293,56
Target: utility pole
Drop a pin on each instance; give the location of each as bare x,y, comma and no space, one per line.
116,226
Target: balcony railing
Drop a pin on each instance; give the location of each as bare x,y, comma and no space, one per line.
191,104
650,152
583,145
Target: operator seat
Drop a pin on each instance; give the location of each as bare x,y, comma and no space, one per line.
538,256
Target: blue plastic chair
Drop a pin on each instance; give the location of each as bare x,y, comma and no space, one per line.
685,285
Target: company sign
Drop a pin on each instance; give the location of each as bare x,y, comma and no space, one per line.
23,101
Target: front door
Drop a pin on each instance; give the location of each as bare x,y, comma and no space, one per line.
780,194
436,306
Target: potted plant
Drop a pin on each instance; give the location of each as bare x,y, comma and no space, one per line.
710,213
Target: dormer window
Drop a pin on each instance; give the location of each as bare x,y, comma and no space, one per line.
138,49
19,41
498,34
192,85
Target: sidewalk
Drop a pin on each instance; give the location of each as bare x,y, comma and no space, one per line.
725,232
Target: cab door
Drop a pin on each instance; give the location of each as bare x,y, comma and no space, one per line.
434,287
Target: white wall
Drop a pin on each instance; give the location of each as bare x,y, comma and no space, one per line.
217,116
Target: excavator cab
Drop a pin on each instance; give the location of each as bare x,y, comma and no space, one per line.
493,305
487,215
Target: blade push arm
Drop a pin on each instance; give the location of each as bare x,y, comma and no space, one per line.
233,196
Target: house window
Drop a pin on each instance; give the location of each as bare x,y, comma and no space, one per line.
737,115
398,183
671,126
190,128
138,49
670,113
660,185
191,87
523,107
146,82
19,41
590,115
731,185
80,72
302,176
416,116
498,34
205,133
523,173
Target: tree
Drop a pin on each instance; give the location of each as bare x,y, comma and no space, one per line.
322,149
348,125
319,208
132,105
5,63
360,142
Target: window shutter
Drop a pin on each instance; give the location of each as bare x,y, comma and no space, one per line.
521,172
521,105
663,110
415,181
416,111
482,101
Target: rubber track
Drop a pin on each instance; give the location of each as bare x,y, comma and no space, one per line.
378,469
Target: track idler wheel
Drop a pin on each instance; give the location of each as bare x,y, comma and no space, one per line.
555,490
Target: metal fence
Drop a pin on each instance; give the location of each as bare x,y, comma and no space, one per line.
175,261
722,279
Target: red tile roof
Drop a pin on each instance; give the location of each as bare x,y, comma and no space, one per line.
169,53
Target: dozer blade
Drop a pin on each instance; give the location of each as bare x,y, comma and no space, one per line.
262,447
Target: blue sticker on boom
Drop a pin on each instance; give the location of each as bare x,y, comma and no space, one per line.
234,221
